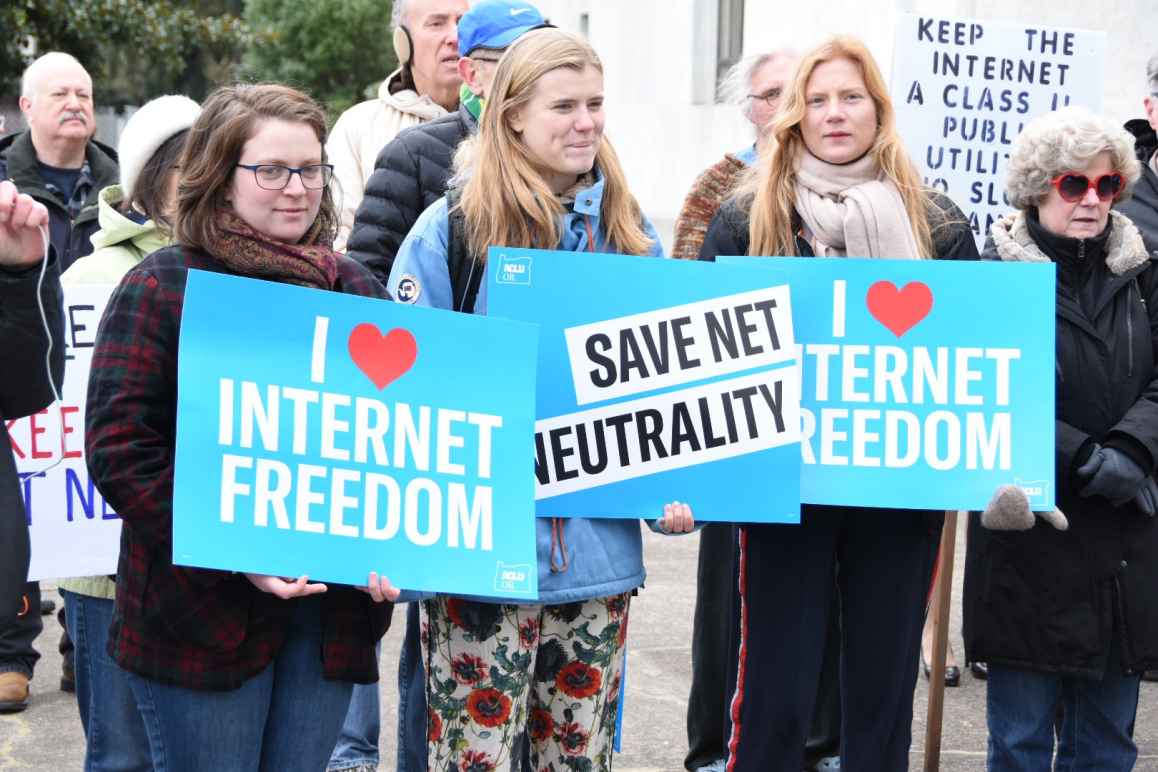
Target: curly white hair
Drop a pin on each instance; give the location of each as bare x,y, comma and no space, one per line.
1066,140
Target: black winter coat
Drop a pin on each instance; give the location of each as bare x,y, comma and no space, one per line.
1142,207
70,238
410,174
952,239
24,389
1051,600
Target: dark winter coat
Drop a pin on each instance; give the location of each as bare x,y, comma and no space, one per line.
952,240
1142,207
70,238
24,389
410,174
1052,600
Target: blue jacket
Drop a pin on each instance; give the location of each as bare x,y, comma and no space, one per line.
604,557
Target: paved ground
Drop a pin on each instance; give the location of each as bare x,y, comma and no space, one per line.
48,735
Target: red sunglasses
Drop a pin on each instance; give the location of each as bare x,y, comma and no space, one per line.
1072,187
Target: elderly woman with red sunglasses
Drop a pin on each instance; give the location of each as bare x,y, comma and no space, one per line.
1069,618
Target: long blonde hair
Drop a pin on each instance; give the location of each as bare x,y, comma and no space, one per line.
505,201
772,187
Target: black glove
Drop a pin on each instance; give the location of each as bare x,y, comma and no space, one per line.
1111,474
1146,499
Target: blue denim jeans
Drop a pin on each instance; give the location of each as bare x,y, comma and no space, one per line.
1097,729
412,696
357,746
285,719
115,736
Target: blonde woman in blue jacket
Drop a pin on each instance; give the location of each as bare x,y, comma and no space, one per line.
538,175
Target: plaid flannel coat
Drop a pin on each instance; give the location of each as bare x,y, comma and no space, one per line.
195,628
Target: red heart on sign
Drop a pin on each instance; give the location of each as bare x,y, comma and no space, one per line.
383,358
899,310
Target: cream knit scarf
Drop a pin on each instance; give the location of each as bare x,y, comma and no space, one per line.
852,210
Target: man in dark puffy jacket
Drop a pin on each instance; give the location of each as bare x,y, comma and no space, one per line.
1142,208
24,389
412,170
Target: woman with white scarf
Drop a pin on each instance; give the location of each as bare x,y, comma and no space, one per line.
836,182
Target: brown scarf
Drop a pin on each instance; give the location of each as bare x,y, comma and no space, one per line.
250,253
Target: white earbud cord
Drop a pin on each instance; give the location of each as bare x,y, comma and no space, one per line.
48,352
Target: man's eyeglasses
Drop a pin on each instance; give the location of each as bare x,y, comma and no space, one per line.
487,59
1073,187
769,97
277,177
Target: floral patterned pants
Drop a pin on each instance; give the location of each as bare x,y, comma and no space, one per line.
494,671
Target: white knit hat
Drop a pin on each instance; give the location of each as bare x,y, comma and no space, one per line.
147,130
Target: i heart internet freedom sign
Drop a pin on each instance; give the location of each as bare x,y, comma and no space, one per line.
310,442
915,394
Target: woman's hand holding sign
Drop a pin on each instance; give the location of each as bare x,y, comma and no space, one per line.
285,588
380,589
377,587
677,518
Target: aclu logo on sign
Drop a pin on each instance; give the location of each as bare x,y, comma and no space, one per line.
514,578
1035,490
514,270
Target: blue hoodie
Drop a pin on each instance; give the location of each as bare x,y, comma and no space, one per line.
604,557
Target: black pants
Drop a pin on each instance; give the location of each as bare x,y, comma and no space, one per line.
16,637
715,644
883,561
824,734
715,638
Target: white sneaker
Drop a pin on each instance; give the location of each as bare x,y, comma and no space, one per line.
719,765
829,764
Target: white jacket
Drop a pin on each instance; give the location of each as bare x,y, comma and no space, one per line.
361,132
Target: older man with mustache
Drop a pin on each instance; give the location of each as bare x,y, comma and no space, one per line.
57,163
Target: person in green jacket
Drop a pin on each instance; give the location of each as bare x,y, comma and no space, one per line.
133,223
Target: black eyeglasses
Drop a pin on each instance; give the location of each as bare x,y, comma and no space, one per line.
277,177
487,59
769,97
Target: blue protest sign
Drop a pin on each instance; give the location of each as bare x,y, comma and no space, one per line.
658,380
331,435
927,383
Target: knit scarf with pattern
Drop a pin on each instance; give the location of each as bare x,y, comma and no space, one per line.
249,253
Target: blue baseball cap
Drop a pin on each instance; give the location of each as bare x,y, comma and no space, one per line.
496,24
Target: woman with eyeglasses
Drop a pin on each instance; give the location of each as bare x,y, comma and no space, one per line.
229,671
1070,618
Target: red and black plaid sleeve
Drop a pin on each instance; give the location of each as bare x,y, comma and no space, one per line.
195,628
